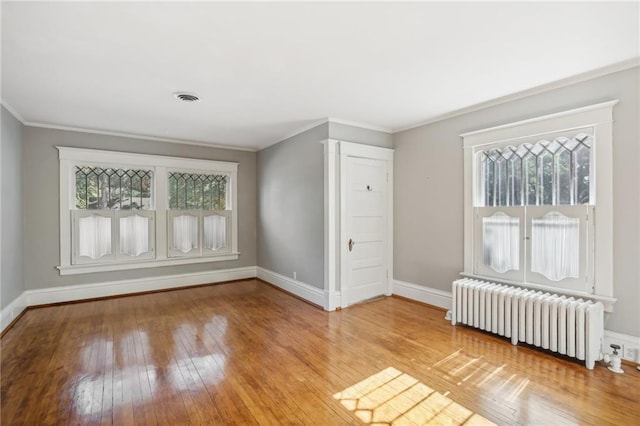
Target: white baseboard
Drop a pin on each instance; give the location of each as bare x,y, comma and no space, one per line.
115,288
12,310
303,290
420,293
332,300
630,345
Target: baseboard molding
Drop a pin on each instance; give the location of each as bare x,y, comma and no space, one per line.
332,300
303,290
122,287
10,312
630,345
117,288
420,293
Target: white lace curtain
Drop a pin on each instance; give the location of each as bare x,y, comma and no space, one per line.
94,236
501,242
185,233
215,232
555,246
134,235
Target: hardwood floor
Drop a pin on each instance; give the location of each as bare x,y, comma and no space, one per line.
246,353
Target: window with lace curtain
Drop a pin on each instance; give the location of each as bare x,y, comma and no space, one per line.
198,219
113,216
124,211
533,207
531,213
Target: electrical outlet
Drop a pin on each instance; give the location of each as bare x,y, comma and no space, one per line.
629,353
295,275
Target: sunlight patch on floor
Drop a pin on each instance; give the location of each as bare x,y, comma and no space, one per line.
493,378
393,397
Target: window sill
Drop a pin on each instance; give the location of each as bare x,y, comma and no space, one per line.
107,267
607,301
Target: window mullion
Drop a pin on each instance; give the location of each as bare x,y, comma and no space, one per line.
160,197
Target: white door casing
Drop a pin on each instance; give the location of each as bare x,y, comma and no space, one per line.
370,264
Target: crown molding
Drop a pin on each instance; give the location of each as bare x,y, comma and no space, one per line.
600,72
135,136
12,110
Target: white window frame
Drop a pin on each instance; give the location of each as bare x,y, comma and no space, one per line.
161,165
598,121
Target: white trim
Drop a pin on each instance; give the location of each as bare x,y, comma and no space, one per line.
302,129
160,164
327,120
627,341
331,179
135,136
360,125
424,294
332,300
86,269
565,120
589,75
599,119
122,287
352,149
12,310
303,290
12,110
120,158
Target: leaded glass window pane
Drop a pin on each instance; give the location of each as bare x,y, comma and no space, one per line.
582,166
100,188
514,179
545,173
530,176
193,191
563,177
545,178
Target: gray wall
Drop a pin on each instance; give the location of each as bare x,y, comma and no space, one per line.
291,206
428,240
41,194
291,199
12,247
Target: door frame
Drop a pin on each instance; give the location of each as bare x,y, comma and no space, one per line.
336,153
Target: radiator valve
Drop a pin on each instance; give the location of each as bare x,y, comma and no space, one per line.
614,364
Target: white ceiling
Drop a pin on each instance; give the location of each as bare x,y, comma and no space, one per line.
267,70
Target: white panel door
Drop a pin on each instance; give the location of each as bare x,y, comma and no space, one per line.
366,230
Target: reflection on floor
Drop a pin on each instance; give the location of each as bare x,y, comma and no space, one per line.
393,397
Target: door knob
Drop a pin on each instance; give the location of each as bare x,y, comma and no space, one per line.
351,243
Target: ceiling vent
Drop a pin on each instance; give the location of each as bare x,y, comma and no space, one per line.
186,97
